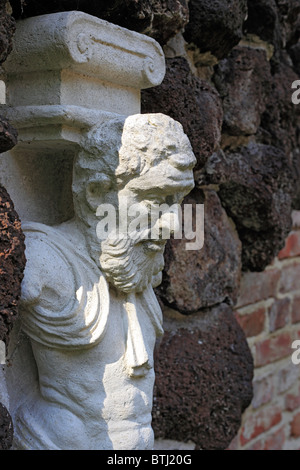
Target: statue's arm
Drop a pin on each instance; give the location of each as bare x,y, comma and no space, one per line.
47,278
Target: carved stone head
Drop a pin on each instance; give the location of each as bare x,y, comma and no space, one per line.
141,161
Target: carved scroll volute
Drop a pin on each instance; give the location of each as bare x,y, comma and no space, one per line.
88,45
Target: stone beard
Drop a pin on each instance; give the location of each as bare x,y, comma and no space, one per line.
132,265
88,307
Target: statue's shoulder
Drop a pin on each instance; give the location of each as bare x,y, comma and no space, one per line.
65,297
49,255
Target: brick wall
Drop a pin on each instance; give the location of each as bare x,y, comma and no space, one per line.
269,312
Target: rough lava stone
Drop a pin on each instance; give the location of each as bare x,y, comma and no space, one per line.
256,186
6,429
160,19
7,30
281,120
216,25
193,280
193,102
12,264
274,21
204,372
8,135
295,55
243,80
263,20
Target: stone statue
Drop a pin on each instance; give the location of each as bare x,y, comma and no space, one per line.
88,304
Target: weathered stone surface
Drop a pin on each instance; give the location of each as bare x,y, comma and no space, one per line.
204,373
160,19
12,263
281,119
295,55
277,22
296,198
216,26
243,80
192,102
256,187
263,20
289,11
8,135
7,29
193,280
6,429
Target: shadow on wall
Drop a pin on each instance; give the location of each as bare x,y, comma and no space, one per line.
12,258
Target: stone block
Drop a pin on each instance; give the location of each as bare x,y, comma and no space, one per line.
191,101
8,135
7,30
203,379
193,280
160,19
12,264
242,80
263,20
6,429
216,26
256,186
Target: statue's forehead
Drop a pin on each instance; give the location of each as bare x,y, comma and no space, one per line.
159,182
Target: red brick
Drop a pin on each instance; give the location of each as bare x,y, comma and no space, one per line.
287,376
292,401
252,323
296,310
258,445
272,349
263,391
275,441
279,314
290,278
292,246
295,426
259,422
258,286
234,445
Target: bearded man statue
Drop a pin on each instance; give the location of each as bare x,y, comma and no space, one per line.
88,305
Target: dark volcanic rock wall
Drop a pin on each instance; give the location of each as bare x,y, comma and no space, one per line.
202,365
230,68
12,248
